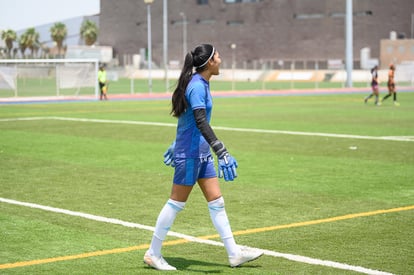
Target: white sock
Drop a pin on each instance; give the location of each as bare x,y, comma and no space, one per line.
164,222
221,222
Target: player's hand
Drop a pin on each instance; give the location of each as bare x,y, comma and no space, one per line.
227,167
169,155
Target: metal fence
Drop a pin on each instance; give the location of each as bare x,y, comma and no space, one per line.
291,64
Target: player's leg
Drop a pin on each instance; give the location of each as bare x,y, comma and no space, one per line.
388,95
186,177
237,256
104,89
395,96
165,220
390,91
376,93
369,96
168,214
218,215
101,90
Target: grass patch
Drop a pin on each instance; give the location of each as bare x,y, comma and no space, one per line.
115,170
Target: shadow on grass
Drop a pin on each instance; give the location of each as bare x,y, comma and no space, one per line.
183,264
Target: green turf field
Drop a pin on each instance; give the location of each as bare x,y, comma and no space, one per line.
343,195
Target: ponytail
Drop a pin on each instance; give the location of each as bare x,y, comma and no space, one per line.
179,103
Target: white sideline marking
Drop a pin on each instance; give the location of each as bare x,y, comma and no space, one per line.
298,133
292,257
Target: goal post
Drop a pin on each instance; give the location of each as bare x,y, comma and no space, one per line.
49,77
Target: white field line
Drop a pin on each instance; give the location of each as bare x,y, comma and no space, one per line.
298,133
292,257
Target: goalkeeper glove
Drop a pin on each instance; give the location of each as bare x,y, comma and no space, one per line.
226,163
169,155
227,167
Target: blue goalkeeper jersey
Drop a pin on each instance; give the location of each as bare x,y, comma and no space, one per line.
190,143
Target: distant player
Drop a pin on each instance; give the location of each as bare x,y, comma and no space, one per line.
391,85
103,83
374,86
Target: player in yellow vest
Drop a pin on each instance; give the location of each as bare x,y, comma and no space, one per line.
103,83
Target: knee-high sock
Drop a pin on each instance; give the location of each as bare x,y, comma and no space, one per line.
221,222
164,222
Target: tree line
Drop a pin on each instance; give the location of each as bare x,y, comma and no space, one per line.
29,40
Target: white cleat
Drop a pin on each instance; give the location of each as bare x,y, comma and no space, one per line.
157,262
245,255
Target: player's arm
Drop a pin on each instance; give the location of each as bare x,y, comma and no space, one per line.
207,132
227,164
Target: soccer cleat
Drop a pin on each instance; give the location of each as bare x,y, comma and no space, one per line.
157,262
396,103
245,255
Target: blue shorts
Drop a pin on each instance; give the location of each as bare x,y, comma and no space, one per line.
188,171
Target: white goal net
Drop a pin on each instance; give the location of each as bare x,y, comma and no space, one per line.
48,77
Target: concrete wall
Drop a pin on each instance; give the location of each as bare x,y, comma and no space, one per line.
402,75
396,51
264,30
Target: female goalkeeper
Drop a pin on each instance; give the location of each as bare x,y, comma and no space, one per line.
192,160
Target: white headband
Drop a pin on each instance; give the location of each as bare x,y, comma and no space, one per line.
211,55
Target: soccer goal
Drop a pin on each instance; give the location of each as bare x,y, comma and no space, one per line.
48,77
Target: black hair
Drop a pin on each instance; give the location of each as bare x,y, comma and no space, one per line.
197,58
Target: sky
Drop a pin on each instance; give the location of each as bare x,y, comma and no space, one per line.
22,14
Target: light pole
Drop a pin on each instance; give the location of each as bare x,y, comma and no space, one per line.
182,14
233,63
149,2
349,43
412,26
165,42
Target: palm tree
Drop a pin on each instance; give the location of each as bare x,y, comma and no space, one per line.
89,32
9,36
58,33
22,44
32,40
